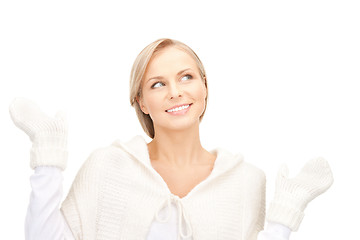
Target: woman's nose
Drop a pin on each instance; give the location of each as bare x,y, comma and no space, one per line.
175,91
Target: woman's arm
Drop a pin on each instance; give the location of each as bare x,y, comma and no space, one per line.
48,158
44,219
274,231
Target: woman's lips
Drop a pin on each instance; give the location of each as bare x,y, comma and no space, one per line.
179,109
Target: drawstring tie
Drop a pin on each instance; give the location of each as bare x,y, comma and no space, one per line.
182,215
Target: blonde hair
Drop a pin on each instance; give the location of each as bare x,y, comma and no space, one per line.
138,71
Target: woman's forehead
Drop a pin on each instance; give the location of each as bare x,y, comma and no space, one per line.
170,58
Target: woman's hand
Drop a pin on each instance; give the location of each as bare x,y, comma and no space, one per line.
293,194
48,134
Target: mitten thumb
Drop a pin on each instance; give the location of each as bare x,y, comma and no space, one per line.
283,172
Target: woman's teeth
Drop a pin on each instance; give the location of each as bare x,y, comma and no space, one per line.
178,108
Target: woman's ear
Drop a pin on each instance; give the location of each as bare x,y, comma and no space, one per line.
205,84
141,105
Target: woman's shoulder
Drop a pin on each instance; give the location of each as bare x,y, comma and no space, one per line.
135,145
237,162
118,151
254,171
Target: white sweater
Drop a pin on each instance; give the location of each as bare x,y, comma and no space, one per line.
118,195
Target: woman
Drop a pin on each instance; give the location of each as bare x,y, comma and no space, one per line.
170,188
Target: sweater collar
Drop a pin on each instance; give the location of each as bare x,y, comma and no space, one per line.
137,148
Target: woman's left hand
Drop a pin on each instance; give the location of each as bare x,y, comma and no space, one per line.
293,194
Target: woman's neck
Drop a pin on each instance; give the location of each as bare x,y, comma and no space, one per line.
178,148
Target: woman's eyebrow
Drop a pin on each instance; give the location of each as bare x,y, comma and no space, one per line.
161,77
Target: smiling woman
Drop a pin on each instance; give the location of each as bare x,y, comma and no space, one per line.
171,90
170,188
150,72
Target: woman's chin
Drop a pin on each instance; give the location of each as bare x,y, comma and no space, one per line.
178,125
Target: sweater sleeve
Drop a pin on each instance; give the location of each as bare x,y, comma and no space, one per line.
43,219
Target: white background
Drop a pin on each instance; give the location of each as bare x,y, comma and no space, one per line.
283,87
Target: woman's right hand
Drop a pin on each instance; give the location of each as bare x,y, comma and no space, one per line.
48,134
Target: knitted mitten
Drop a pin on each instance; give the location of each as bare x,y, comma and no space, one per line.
293,194
48,135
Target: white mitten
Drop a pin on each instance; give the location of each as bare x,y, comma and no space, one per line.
293,194
48,135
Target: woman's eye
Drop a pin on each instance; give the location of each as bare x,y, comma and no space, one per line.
187,77
156,85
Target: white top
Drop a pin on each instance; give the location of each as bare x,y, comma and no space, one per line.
43,213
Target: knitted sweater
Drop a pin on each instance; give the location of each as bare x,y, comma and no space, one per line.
117,194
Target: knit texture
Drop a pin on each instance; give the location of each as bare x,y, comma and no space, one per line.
292,195
117,194
48,135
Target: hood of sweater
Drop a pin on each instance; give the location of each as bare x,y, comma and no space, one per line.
137,148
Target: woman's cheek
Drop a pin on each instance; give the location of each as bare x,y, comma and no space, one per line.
201,93
155,103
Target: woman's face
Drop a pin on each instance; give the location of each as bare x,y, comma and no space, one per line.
173,92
